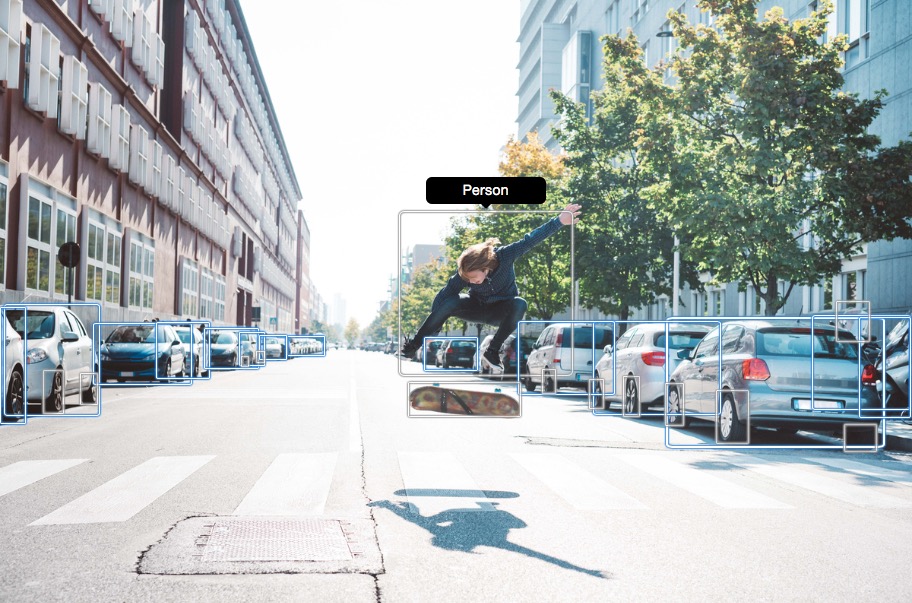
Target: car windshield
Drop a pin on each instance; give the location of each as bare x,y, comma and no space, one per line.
224,338
797,342
463,344
34,324
183,334
582,337
679,341
138,334
273,340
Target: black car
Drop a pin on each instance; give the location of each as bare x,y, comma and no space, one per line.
457,352
508,353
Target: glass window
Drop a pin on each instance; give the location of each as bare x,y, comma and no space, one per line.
709,345
731,339
141,271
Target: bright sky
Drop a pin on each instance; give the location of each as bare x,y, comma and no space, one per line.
374,99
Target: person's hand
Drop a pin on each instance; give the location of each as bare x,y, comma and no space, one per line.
570,214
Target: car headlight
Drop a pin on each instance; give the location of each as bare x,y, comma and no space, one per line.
35,355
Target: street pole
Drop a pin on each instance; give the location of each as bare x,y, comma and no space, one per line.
676,278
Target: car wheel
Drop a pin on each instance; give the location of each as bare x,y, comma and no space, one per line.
730,428
631,397
15,397
549,386
528,384
675,407
595,389
55,399
90,394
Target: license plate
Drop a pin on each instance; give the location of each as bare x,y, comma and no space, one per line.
126,374
805,404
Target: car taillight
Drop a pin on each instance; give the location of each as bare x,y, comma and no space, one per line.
451,350
755,369
559,340
512,354
654,358
869,375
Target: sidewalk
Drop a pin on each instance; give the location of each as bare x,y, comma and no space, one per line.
899,436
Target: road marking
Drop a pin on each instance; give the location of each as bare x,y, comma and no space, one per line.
839,489
293,485
436,482
577,486
127,494
902,477
354,419
24,473
702,482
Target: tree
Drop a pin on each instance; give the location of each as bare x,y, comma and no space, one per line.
769,171
352,331
418,296
624,251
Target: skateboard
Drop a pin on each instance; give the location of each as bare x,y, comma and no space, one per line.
463,402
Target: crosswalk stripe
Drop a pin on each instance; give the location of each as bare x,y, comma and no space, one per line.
127,494
574,484
902,477
436,482
839,489
293,485
21,474
702,483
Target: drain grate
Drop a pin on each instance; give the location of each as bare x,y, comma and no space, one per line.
277,540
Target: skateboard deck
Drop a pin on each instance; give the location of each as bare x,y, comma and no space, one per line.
463,402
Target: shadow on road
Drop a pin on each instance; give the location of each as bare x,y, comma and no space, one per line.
466,529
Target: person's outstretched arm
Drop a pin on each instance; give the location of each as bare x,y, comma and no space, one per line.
569,215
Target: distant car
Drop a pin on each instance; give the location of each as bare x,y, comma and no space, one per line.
143,352
641,352
430,351
509,354
224,348
569,350
771,361
13,407
456,352
247,344
192,343
58,355
275,347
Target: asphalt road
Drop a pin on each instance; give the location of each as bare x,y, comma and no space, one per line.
145,501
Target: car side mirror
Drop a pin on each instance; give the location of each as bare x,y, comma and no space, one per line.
69,336
536,345
176,342
607,349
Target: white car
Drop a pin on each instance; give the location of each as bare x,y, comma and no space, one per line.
644,352
565,354
13,407
59,359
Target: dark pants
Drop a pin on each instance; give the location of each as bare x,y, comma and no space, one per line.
501,314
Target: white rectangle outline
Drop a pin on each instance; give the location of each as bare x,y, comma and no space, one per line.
454,371
858,317
601,388
856,449
458,385
157,381
683,398
624,413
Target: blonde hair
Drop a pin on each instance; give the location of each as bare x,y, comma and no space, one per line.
480,256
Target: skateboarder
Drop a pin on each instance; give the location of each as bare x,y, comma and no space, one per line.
493,298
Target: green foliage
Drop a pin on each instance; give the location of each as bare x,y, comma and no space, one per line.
418,296
767,169
352,331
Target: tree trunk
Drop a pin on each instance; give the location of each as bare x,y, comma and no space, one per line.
622,326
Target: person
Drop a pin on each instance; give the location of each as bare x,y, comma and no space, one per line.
486,269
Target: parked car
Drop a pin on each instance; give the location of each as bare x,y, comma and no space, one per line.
58,355
247,344
430,351
456,352
13,407
192,344
891,370
509,353
771,361
143,352
275,347
224,348
645,352
574,366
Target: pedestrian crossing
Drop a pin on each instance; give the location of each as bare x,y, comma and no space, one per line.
301,484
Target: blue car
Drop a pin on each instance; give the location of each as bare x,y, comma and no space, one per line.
142,353
224,348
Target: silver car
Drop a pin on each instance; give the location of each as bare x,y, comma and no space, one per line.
763,378
59,359
192,344
645,353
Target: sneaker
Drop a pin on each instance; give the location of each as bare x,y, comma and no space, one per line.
408,349
493,358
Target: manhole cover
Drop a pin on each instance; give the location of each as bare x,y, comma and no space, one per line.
260,545
277,540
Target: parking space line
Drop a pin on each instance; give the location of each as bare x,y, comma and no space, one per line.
127,494
840,489
583,490
436,482
24,473
293,485
702,483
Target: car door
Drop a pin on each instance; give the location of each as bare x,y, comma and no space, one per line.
706,358
77,355
537,360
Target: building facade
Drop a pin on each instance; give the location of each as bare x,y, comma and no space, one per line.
143,130
559,49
